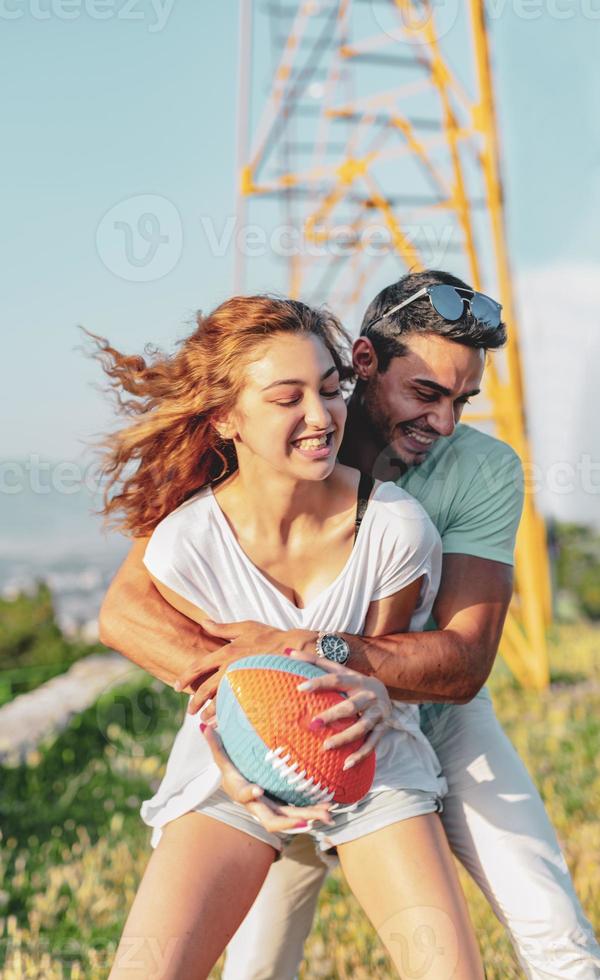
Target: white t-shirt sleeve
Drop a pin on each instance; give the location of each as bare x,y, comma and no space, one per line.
172,556
409,545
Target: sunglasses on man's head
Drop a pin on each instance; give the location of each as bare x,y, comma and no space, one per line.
451,302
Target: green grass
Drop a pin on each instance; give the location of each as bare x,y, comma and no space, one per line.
74,847
32,647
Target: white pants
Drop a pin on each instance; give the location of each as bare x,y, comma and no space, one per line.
498,829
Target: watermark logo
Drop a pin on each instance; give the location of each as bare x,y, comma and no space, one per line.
128,719
412,23
140,239
423,942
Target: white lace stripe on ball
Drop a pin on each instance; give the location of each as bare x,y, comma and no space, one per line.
295,779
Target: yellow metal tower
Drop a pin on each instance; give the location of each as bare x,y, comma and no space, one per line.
367,146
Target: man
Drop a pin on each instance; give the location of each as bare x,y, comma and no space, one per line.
418,360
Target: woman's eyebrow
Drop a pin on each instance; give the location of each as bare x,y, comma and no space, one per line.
297,381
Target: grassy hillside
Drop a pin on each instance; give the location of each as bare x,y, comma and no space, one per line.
32,647
74,848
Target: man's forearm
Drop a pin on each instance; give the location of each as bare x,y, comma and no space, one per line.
439,665
135,621
432,666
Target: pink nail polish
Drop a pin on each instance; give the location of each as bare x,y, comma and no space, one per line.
202,727
288,651
301,823
316,725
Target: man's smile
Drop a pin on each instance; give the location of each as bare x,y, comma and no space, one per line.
418,439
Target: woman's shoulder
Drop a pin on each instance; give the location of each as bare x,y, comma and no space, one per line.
387,501
391,499
191,514
396,514
179,549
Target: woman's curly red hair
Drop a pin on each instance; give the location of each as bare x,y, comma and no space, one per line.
172,445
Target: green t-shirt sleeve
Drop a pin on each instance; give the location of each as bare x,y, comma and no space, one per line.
485,516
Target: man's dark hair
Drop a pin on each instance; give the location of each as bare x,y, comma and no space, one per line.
420,317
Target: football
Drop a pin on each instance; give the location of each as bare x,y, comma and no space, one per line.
264,723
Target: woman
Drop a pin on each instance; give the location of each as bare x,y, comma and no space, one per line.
251,411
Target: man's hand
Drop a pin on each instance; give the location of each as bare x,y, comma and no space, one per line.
241,640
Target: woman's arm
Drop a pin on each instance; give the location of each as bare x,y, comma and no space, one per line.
394,613
189,609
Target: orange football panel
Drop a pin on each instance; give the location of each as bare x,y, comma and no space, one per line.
281,715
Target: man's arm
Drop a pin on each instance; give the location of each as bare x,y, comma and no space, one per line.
453,662
135,620
449,664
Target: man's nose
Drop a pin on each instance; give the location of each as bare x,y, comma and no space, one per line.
442,418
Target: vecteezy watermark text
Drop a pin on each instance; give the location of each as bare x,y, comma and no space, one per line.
39,476
410,24
339,241
534,9
154,12
67,477
140,239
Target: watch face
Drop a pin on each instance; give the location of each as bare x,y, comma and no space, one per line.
335,648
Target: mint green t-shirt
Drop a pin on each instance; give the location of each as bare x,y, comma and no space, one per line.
471,485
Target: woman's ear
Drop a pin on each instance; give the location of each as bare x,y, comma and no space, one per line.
223,430
225,427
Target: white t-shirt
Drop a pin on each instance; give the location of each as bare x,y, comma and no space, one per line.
194,552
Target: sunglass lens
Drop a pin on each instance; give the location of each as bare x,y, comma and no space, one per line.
486,310
447,302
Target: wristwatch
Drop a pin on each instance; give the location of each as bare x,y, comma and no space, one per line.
332,646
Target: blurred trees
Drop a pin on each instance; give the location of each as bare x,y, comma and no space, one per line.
32,647
575,553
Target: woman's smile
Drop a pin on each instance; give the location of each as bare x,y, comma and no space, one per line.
314,447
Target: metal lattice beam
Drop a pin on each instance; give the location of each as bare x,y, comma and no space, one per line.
363,129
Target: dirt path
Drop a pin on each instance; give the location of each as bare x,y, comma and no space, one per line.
31,717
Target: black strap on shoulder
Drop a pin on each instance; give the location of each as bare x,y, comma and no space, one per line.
365,487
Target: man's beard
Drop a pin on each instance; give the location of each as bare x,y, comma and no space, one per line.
391,456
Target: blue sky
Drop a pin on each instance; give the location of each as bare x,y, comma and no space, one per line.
98,111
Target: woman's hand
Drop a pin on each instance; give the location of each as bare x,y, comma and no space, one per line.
367,698
275,817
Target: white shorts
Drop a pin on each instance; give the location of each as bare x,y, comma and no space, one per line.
378,809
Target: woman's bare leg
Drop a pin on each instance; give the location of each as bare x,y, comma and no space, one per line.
197,887
405,880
